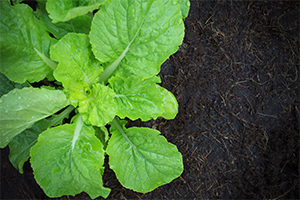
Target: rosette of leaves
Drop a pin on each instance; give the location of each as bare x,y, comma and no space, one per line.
106,71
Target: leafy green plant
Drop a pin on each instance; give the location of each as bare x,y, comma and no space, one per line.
104,68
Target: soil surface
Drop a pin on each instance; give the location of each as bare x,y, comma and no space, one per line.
236,79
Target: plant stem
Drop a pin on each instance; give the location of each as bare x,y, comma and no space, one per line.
47,60
111,68
116,123
61,116
79,124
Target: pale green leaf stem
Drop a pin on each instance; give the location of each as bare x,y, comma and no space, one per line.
134,37
68,160
25,43
48,61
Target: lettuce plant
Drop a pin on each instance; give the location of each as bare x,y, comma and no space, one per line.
95,62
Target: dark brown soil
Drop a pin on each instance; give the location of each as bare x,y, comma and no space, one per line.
236,79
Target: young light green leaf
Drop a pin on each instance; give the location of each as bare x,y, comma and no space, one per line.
80,24
77,69
100,106
20,109
137,98
136,37
170,105
184,7
64,10
102,134
143,98
68,160
24,44
141,158
19,147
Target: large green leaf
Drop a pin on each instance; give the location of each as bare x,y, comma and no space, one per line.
184,7
141,158
80,24
100,106
64,10
20,109
77,69
142,98
136,36
24,44
68,160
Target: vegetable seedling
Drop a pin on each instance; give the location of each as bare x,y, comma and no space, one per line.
104,57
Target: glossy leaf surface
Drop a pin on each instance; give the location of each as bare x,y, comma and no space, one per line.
64,10
184,7
20,109
141,158
135,36
68,160
24,44
142,98
77,69
80,24
100,106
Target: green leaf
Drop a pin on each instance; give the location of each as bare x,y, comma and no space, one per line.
7,85
100,106
143,98
102,134
184,7
24,44
20,109
64,10
142,159
19,147
170,105
68,160
137,98
16,1
77,69
135,37
80,24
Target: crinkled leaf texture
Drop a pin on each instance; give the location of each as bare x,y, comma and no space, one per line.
79,71
80,24
100,106
68,160
184,7
143,98
76,61
135,37
141,158
20,109
24,44
64,10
